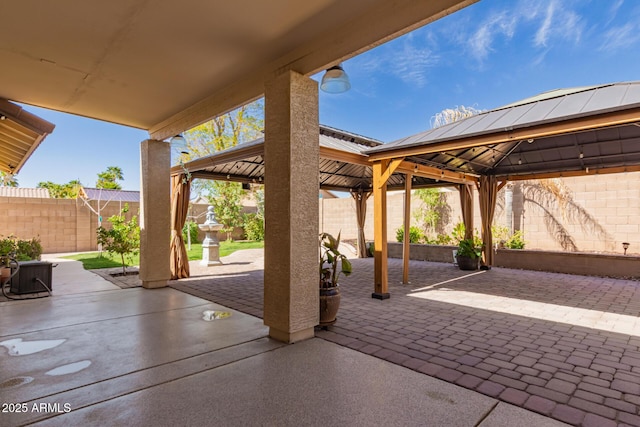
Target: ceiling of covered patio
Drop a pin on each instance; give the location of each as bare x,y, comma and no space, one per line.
166,66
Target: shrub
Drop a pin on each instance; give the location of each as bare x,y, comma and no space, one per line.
123,238
192,228
415,235
516,241
254,227
22,250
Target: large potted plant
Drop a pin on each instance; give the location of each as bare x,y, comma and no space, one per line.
468,255
332,264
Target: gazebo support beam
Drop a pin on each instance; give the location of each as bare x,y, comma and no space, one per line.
406,241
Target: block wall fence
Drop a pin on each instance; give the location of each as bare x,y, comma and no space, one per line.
605,212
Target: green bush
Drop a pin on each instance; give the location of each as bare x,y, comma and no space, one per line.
22,250
254,227
516,241
190,227
415,235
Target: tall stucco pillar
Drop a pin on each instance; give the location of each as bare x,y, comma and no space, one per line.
155,213
291,298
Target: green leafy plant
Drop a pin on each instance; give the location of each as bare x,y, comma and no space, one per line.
330,257
20,249
516,241
191,228
469,248
254,227
123,238
458,232
415,235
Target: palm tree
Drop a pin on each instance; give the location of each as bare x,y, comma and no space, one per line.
8,179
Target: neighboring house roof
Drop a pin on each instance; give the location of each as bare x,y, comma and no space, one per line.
110,195
39,193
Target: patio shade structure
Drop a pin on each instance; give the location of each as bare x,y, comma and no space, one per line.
584,131
20,134
120,63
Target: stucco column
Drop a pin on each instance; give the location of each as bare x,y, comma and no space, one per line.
155,213
291,296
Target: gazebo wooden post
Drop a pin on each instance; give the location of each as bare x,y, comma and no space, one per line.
381,285
382,170
407,225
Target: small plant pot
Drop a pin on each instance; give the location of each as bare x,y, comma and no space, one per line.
467,263
5,274
329,305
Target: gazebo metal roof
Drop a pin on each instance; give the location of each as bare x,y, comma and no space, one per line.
342,166
568,132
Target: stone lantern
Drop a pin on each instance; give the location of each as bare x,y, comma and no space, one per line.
210,245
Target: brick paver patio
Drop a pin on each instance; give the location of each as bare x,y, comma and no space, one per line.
562,345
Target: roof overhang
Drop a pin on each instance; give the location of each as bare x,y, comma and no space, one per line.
20,134
166,66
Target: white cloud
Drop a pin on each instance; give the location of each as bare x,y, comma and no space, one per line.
621,37
480,43
405,59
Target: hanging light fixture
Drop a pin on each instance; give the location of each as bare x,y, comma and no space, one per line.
178,141
335,80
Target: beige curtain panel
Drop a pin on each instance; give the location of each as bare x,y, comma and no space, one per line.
360,198
180,191
466,204
488,195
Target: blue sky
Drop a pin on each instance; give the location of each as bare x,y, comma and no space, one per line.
490,54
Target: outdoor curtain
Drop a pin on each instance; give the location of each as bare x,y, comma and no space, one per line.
360,198
180,190
488,195
466,204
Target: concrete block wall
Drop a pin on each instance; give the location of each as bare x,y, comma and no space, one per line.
611,201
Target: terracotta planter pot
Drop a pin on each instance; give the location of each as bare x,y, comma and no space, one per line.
466,263
329,305
5,274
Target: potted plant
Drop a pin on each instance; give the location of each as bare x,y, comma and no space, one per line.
7,251
332,264
468,255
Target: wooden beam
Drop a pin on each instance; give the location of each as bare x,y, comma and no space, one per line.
390,169
567,174
327,153
381,284
437,174
406,243
539,131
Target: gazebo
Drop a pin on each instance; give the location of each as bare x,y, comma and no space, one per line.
584,131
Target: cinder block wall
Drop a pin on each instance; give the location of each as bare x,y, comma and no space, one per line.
605,212
63,225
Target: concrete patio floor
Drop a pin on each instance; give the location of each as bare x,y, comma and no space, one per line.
440,354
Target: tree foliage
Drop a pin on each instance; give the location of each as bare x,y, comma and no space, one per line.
241,125
226,199
434,212
123,238
61,191
108,179
8,179
450,115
